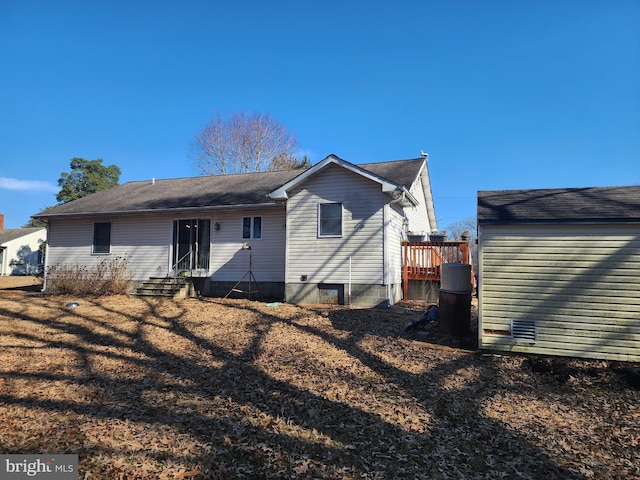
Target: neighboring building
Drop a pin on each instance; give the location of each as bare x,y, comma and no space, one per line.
21,250
331,231
560,272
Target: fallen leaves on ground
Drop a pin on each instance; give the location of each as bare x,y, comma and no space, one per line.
226,389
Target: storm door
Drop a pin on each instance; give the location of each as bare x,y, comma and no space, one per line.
191,243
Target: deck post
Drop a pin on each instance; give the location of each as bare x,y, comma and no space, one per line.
405,267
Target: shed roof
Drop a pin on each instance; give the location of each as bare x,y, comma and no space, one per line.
591,204
207,192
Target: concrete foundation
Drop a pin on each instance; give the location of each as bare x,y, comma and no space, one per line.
361,295
424,290
261,291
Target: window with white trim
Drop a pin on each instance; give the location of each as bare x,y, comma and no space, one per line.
101,238
330,220
251,227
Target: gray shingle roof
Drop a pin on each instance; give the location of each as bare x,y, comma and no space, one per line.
178,194
10,234
400,172
601,204
206,192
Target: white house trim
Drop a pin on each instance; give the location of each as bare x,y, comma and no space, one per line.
398,193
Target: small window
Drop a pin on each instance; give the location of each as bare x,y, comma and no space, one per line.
330,220
257,227
252,227
246,227
102,237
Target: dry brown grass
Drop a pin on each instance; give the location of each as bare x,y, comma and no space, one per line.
163,389
109,276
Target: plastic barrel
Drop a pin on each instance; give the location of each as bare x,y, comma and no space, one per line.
456,277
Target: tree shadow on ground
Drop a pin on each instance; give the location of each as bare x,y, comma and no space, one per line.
22,284
153,388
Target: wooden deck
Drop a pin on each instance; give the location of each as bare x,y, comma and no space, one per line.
422,260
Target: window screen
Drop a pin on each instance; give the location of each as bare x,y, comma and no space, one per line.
330,221
252,227
102,237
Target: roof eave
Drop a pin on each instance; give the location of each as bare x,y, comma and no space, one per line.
403,197
281,193
559,221
428,197
121,213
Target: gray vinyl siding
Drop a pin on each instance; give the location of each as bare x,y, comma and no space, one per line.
326,260
394,246
580,283
144,241
229,262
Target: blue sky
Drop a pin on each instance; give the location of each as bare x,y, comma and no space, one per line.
501,94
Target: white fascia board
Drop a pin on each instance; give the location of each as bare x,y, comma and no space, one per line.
401,195
387,187
428,197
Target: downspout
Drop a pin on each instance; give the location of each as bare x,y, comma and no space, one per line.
46,257
286,249
349,287
385,251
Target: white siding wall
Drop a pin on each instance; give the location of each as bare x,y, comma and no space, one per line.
394,245
146,242
327,259
229,262
417,216
580,283
20,256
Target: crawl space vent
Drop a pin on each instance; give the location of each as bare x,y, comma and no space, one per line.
524,331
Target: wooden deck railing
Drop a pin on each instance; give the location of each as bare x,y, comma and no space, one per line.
422,260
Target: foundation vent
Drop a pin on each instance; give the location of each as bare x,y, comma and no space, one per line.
524,331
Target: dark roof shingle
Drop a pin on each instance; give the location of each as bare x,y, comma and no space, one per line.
400,172
194,193
601,204
179,193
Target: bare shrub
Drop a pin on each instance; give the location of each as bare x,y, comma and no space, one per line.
110,276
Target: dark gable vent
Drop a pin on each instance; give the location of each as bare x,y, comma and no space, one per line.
524,331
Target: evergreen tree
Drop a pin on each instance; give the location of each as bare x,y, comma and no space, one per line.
86,177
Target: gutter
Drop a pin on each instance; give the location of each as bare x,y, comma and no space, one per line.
120,213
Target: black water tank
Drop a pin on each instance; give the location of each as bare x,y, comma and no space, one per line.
454,313
454,306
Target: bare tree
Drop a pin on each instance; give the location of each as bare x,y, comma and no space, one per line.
289,163
243,143
466,229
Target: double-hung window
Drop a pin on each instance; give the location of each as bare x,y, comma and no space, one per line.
330,220
251,227
101,237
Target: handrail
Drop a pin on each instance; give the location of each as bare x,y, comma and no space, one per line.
174,267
